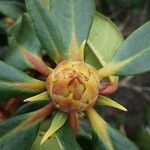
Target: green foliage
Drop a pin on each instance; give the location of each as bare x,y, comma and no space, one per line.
12,136
15,83
104,40
75,25
105,137
134,52
62,139
143,138
11,8
67,30
22,38
46,29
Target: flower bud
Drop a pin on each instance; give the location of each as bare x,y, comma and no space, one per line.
73,86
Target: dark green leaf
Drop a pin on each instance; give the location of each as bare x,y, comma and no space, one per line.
143,138
22,37
12,9
29,107
46,29
3,27
62,139
16,83
105,137
3,52
9,73
13,137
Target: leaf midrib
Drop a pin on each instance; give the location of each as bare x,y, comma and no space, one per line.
52,41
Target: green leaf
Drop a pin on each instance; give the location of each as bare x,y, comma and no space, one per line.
73,18
105,101
59,119
3,52
143,138
9,73
133,56
105,137
103,42
40,97
46,29
90,58
62,139
11,8
30,107
13,137
16,83
22,37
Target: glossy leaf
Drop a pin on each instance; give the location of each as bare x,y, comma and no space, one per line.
22,39
12,136
62,139
58,121
133,56
103,42
16,83
105,137
11,8
46,29
105,101
73,18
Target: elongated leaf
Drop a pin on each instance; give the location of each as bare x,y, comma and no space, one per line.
105,101
133,56
13,137
46,29
103,42
73,18
11,8
59,119
105,137
30,107
40,97
62,139
15,83
22,38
